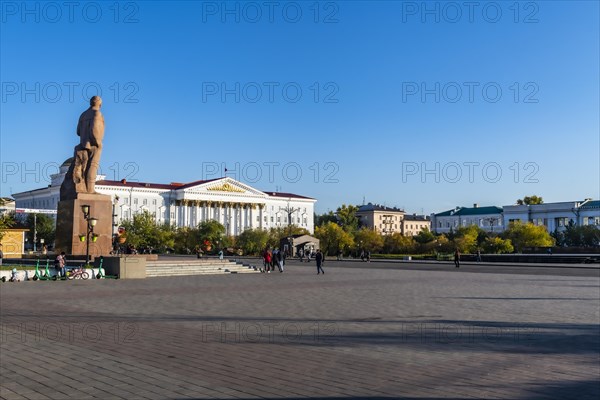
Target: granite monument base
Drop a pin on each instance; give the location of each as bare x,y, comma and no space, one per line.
71,225
125,267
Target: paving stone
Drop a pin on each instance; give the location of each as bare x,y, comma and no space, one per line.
360,332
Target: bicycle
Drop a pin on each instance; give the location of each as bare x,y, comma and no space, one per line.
78,273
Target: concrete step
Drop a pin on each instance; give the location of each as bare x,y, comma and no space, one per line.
158,269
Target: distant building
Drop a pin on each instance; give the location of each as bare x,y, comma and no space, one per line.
7,205
488,218
388,220
555,216
412,224
234,204
385,220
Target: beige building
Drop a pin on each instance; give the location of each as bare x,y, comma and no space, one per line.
412,224
388,220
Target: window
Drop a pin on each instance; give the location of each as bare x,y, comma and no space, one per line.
145,201
563,221
135,201
153,202
265,218
172,215
304,221
257,218
278,219
272,220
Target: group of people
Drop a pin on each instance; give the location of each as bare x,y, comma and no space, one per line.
276,258
365,255
308,254
273,258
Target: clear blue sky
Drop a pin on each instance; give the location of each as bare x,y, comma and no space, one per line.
362,115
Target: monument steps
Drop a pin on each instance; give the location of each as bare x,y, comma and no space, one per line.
205,267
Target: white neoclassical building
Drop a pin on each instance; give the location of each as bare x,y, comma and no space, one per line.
556,216
234,204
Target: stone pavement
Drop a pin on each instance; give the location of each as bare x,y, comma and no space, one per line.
354,333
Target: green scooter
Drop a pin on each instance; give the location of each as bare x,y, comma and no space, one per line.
100,274
46,276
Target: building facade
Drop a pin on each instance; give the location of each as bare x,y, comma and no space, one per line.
488,218
412,224
556,216
232,203
389,220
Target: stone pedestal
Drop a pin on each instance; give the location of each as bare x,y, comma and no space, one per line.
126,267
70,224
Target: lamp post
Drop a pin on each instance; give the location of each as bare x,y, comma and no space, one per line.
91,222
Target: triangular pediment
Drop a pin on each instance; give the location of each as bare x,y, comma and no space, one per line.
223,186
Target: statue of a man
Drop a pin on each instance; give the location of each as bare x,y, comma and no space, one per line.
90,130
81,177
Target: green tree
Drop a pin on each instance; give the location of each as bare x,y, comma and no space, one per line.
346,218
530,200
211,230
497,245
143,231
424,236
325,218
369,239
524,235
333,238
253,241
42,226
579,235
7,221
396,243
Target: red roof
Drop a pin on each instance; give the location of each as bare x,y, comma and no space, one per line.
176,186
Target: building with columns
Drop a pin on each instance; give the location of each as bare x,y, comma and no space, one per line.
232,203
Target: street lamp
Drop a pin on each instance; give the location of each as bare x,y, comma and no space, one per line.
91,223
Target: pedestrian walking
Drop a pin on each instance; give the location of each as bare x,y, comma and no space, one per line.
301,254
319,259
362,255
457,258
1,254
478,255
368,255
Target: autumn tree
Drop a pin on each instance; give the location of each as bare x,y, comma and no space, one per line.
524,235
333,238
530,200
396,243
369,239
497,245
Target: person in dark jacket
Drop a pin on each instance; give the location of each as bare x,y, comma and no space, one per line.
457,258
319,258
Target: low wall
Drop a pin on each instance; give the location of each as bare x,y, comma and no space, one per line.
125,267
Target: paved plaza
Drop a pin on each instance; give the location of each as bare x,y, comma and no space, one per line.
361,331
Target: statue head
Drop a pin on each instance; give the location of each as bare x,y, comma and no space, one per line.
96,101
